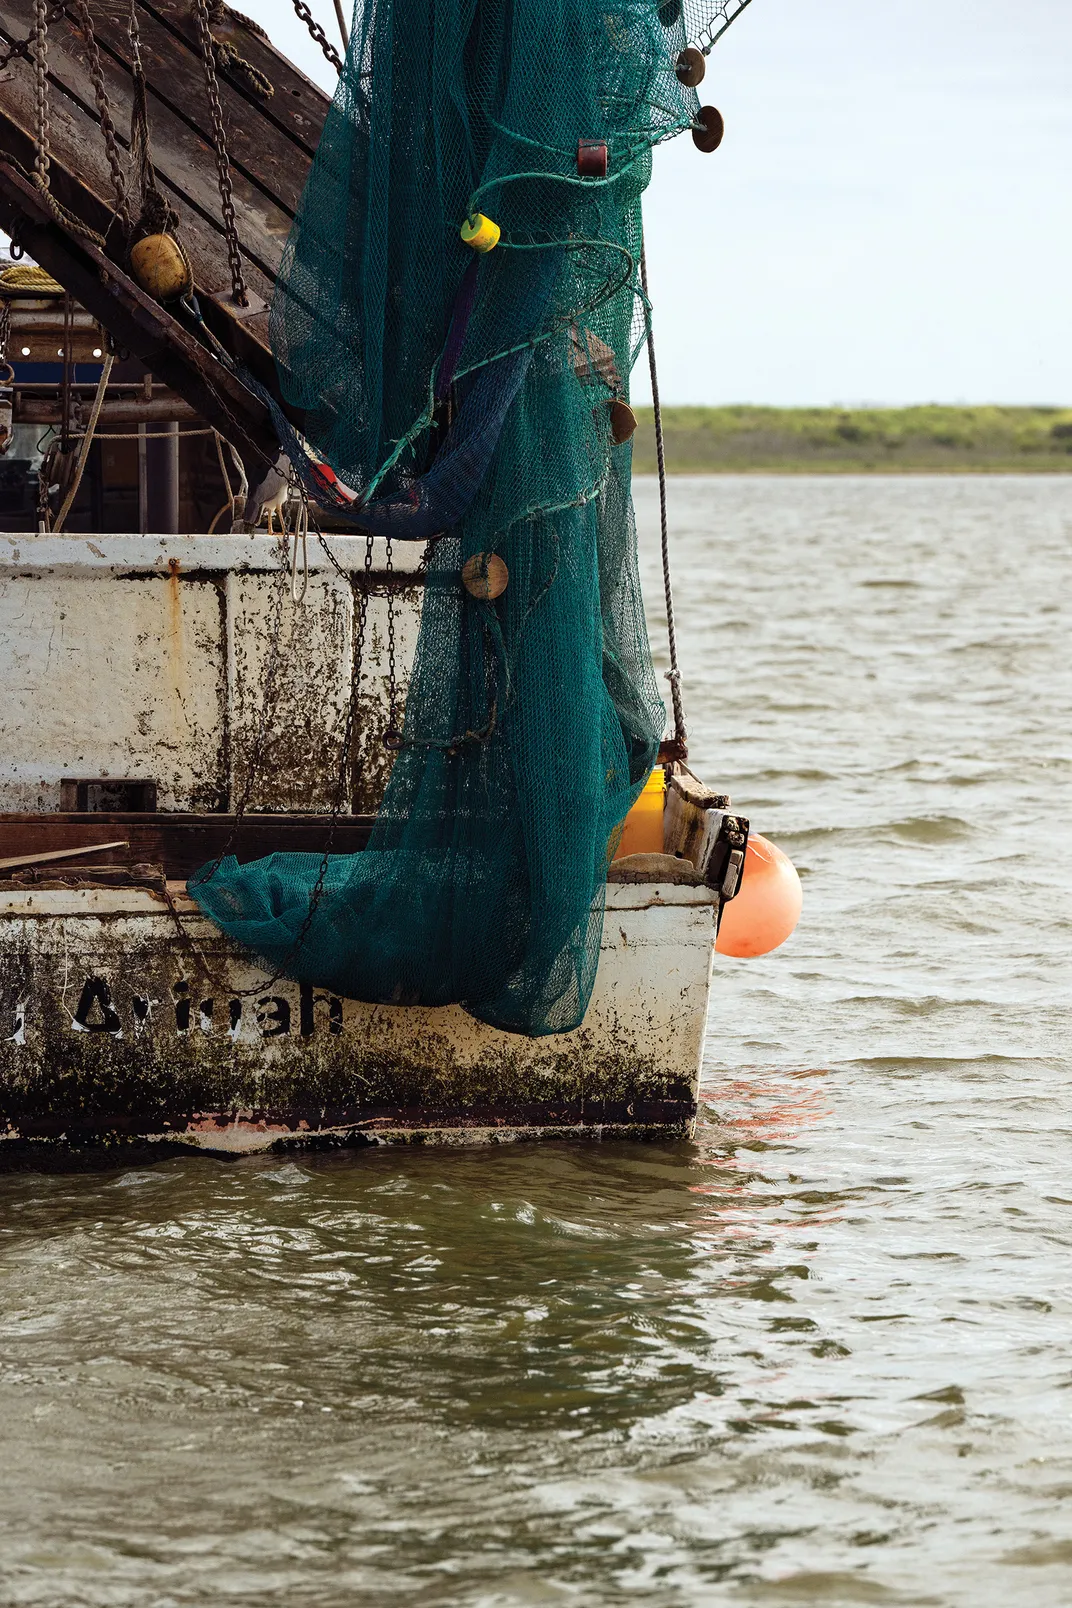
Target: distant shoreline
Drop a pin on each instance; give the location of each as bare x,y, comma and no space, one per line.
838,441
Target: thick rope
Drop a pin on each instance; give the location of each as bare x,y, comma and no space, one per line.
136,435
673,675
157,215
87,442
28,276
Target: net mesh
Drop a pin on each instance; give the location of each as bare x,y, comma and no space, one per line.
472,399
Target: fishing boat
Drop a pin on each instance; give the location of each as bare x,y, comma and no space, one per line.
314,837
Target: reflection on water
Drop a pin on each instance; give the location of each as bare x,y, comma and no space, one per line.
820,1356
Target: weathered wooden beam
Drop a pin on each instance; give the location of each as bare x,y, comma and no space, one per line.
185,170
180,843
136,322
40,410
271,141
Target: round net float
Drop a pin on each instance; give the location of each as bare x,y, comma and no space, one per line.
592,159
690,67
670,12
708,129
161,267
485,576
623,421
479,232
767,909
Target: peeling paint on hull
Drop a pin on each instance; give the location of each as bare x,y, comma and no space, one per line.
110,1044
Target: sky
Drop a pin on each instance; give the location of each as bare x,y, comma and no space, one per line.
888,220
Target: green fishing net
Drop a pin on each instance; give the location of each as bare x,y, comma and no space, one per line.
470,401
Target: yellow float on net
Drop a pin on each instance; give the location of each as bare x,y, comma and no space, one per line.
481,233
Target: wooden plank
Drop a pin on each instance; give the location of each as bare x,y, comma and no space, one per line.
185,166
39,410
134,319
271,142
298,107
91,849
179,843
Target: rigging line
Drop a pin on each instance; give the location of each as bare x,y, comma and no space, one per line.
673,674
87,442
713,31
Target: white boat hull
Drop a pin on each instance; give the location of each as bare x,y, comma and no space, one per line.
110,1041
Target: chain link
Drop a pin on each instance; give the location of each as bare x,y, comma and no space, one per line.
223,163
22,49
306,16
392,736
104,115
7,373
42,122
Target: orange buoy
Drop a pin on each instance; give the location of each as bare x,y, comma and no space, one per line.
768,906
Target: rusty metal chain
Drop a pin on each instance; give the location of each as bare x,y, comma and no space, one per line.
7,373
306,16
22,49
104,115
223,162
42,120
35,47
392,736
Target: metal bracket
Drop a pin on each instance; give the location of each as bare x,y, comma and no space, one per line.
225,299
721,855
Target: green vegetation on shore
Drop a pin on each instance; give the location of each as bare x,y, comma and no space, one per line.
920,440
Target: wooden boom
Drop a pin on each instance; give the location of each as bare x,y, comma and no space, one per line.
271,143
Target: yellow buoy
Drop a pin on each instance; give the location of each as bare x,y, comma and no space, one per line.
643,829
481,233
162,268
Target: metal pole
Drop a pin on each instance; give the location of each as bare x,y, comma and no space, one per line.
162,478
344,31
143,483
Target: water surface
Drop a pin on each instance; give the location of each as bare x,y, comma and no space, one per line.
820,1357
